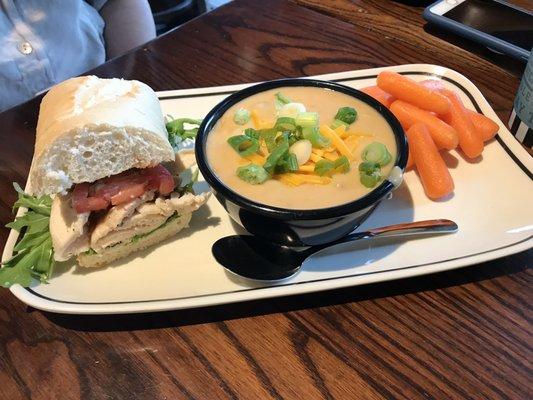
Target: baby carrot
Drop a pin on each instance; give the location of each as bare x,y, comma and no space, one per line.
444,136
470,140
380,95
434,174
433,84
413,92
410,161
486,127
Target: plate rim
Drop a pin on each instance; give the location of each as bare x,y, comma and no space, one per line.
511,147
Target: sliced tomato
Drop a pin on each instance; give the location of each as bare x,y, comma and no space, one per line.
164,179
81,191
121,188
129,193
82,203
93,204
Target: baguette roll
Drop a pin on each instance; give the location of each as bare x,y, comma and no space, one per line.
90,128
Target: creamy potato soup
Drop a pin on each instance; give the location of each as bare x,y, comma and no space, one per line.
301,148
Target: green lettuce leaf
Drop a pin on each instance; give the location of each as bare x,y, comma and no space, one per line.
41,205
33,255
188,187
177,131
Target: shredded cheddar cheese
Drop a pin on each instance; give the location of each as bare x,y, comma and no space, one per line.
307,168
315,157
255,119
341,131
256,158
294,179
331,156
352,141
336,141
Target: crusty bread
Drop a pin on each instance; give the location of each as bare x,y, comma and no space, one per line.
90,128
124,249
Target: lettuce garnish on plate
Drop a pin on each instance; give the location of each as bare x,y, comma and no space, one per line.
181,129
33,255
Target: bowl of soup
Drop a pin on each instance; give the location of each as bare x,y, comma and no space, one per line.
300,162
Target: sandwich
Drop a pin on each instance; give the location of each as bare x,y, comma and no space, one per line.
104,181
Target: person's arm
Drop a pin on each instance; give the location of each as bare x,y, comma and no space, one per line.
128,24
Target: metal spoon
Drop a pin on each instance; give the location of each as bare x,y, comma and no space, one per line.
254,258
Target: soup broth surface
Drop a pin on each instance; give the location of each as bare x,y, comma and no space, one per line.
344,188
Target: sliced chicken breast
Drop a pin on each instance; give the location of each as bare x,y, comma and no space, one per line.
147,217
116,215
68,229
182,205
133,226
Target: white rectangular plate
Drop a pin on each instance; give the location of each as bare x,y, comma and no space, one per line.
491,204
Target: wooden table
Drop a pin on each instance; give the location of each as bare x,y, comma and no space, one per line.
462,334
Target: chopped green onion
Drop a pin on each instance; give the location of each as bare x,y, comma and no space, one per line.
291,110
282,99
302,149
252,133
369,167
292,162
342,164
377,153
369,173
324,167
346,115
312,134
294,137
252,173
288,137
242,116
285,124
244,145
274,158
336,123
287,163
269,136
306,119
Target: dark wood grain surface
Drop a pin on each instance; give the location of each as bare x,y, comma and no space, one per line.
462,334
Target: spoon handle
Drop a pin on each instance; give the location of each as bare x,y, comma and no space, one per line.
411,228
427,227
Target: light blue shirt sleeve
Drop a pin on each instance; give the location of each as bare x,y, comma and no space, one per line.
43,42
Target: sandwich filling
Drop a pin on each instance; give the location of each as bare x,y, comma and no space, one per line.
98,215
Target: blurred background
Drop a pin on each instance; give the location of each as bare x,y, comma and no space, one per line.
171,13
44,42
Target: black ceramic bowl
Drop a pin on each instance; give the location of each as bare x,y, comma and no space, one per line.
288,226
